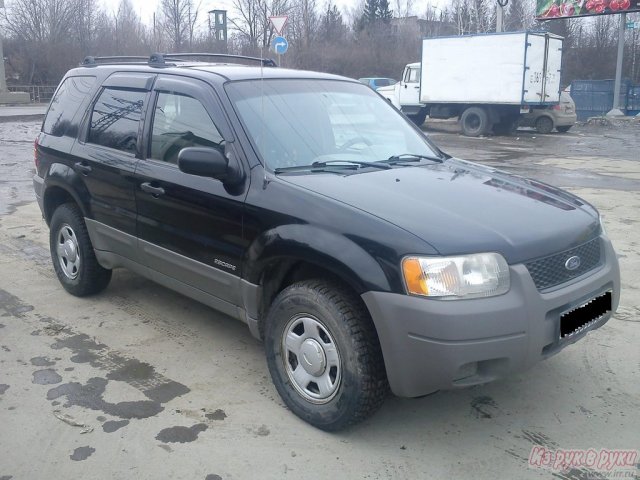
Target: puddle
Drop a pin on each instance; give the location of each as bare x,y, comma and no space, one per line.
90,396
82,453
47,376
217,415
181,434
113,425
42,362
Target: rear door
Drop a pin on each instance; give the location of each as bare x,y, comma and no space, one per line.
543,68
106,156
189,227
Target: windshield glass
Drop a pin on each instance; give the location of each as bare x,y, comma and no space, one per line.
299,122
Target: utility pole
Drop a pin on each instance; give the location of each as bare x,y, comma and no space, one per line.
617,107
500,15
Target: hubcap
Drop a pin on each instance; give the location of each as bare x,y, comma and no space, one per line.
68,251
311,359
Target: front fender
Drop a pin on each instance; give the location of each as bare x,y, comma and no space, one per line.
337,253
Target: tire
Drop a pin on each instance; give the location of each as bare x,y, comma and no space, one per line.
74,260
474,122
346,381
544,125
564,129
506,126
418,119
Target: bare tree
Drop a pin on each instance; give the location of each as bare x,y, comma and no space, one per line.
41,28
404,8
252,21
180,17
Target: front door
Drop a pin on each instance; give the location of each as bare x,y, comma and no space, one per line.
189,227
410,87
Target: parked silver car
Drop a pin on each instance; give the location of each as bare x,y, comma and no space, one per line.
561,117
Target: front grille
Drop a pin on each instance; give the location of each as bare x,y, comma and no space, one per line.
550,271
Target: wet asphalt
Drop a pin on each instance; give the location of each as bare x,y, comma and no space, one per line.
140,382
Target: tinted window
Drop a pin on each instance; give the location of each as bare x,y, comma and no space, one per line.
115,117
64,105
180,121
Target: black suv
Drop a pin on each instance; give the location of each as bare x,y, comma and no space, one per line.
306,206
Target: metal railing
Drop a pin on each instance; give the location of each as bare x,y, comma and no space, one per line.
37,93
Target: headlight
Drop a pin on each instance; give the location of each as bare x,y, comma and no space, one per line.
451,278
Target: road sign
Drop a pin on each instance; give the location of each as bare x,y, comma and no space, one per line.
279,22
632,25
280,45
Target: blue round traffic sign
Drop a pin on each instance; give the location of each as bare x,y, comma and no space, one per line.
280,45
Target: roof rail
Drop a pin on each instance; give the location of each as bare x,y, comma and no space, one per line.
158,58
90,61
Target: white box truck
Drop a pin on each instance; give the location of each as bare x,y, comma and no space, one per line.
485,80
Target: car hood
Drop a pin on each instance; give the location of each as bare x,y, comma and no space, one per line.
459,207
387,88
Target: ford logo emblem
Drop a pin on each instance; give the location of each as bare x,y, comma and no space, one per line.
572,263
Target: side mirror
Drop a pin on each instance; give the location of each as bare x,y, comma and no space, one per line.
208,162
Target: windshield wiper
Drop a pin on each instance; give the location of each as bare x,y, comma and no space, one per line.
333,164
351,163
410,157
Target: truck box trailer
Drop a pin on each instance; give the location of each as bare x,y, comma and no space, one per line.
486,80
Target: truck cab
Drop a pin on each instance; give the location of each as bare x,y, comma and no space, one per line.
405,95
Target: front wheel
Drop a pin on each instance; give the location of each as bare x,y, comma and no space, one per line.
324,356
74,260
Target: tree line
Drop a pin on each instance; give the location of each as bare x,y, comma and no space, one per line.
44,38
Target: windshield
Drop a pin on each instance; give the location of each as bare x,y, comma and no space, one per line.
299,122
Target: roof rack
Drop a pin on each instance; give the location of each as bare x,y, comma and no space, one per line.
158,59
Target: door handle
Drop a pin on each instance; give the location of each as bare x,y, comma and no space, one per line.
155,191
82,168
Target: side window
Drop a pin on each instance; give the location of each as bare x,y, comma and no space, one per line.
64,105
412,75
180,121
115,118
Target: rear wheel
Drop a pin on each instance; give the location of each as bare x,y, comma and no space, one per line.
474,122
506,126
74,260
544,125
323,355
564,128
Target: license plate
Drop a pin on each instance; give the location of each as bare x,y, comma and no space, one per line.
580,318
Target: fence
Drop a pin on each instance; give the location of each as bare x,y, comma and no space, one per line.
595,97
38,93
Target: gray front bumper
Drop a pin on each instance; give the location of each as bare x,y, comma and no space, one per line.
430,345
